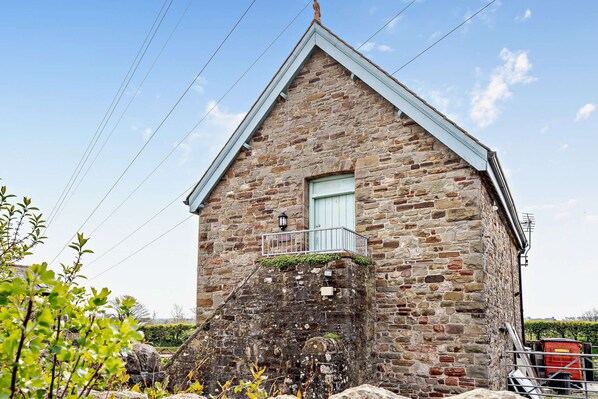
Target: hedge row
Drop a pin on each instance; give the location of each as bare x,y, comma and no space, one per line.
167,334
585,331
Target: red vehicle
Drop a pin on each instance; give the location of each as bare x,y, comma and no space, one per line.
563,363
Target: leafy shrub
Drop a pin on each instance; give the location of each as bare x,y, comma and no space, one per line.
283,261
56,340
362,260
20,228
167,334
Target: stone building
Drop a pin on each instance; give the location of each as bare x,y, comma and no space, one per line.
350,154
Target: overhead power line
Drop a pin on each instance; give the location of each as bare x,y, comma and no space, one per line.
181,141
190,187
172,202
444,37
143,247
397,15
108,114
128,104
157,129
155,215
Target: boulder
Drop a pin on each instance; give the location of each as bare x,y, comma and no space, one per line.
145,379
143,358
367,391
185,396
371,392
116,395
487,394
143,365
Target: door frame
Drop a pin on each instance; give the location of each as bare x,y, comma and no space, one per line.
312,197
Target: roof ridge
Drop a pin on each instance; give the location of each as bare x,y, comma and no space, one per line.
403,86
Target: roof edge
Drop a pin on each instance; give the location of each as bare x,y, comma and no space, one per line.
467,147
248,125
497,176
479,156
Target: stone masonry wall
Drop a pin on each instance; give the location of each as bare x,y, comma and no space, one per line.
272,318
419,204
501,288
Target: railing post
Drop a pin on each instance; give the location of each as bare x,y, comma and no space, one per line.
327,240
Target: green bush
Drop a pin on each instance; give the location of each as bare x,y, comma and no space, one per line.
167,334
56,338
362,260
586,331
282,261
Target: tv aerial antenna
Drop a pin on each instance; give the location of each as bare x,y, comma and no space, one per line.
528,223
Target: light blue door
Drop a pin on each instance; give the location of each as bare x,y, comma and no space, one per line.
332,203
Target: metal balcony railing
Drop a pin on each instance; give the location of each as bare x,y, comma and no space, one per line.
330,240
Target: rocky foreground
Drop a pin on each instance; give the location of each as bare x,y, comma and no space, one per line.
361,392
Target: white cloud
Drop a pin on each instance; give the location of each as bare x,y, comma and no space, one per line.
185,150
440,101
147,133
591,218
447,99
563,147
369,47
132,92
526,15
434,36
485,103
391,25
222,118
384,48
486,17
585,112
544,129
212,133
200,84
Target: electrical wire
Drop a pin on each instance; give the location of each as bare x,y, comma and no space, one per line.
388,23
143,247
115,101
141,226
407,63
443,37
190,187
175,147
130,102
157,129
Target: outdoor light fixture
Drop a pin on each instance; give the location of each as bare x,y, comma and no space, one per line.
282,221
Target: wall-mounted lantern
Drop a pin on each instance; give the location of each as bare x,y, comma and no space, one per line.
282,221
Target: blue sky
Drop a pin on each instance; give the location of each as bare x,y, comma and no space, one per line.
521,77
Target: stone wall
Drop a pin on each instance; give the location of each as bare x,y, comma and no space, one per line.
279,319
420,205
501,287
